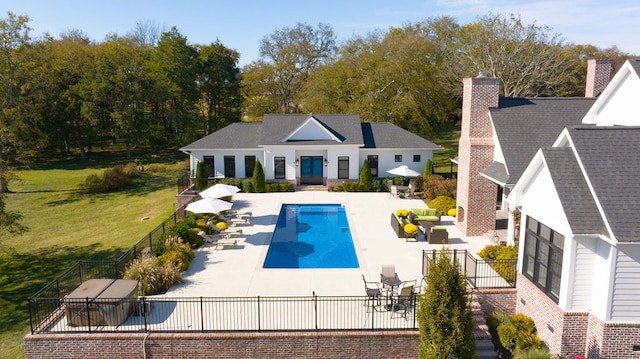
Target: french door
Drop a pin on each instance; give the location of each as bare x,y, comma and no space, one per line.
311,169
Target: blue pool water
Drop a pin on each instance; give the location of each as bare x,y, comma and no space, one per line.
312,236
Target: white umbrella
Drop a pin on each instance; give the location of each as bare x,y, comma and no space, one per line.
219,190
403,171
209,205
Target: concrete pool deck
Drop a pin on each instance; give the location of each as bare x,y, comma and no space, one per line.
238,272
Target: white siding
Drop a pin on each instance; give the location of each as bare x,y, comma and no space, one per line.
218,159
543,203
353,152
581,287
625,303
386,159
618,105
601,281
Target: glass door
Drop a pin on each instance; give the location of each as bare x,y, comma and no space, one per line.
311,169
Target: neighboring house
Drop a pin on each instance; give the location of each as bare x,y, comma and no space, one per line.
579,244
309,149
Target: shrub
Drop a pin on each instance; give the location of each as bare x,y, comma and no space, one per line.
202,177
516,333
222,225
444,318
442,204
131,169
366,178
247,187
178,255
537,353
428,169
436,185
111,179
452,212
153,277
497,251
258,180
402,213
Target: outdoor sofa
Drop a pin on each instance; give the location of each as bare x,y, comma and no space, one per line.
424,214
397,224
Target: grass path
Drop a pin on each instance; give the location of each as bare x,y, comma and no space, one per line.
66,225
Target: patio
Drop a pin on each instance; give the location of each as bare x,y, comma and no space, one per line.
238,272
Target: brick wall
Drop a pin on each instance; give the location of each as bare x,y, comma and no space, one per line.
500,299
598,75
476,196
576,332
392,344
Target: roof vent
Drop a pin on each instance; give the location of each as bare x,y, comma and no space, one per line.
481,74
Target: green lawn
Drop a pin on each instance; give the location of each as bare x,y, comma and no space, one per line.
66,225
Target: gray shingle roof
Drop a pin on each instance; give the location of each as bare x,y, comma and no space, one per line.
275,128
523,125
635,64
577,201
236,135
609,156
497,172
388,135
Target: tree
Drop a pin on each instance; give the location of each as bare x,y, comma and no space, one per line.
526,58
289,56
219,84
15,130
202,177
366,178
444,317
258,180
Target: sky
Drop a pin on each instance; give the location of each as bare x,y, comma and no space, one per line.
241,24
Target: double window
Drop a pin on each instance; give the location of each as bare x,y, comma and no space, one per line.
542,262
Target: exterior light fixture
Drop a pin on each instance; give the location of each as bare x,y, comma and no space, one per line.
326,162
297,162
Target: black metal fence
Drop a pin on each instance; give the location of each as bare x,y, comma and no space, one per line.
480,273
257,314
42,305
184,182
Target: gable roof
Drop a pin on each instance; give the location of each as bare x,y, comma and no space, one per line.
524,125
612,168
576,198
277,128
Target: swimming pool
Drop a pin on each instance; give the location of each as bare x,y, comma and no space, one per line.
311,236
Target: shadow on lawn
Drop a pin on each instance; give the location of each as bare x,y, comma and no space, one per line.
23,274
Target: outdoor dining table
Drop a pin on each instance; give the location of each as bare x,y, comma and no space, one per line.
402,190
393,283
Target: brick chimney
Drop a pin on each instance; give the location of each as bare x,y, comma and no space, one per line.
598,76
476,196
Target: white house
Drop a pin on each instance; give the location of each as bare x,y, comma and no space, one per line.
579,245
309,149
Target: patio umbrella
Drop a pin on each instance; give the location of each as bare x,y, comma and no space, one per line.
403,171
219,190
209,205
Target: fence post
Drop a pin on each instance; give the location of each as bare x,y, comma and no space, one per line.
259,326
144,312
88,314
315,309
201,316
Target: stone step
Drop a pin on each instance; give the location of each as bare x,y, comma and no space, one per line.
485,349
312,188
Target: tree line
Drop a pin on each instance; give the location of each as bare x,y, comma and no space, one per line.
153,88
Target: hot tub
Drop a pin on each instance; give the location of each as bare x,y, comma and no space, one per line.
101,302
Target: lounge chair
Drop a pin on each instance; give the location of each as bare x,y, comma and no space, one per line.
235,220
389,186
373,293
438,235
222,239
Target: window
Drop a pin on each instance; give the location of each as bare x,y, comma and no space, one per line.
372,160
279,167
398,158
209,165
416,158
542,262
229,166
343,167
249,165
